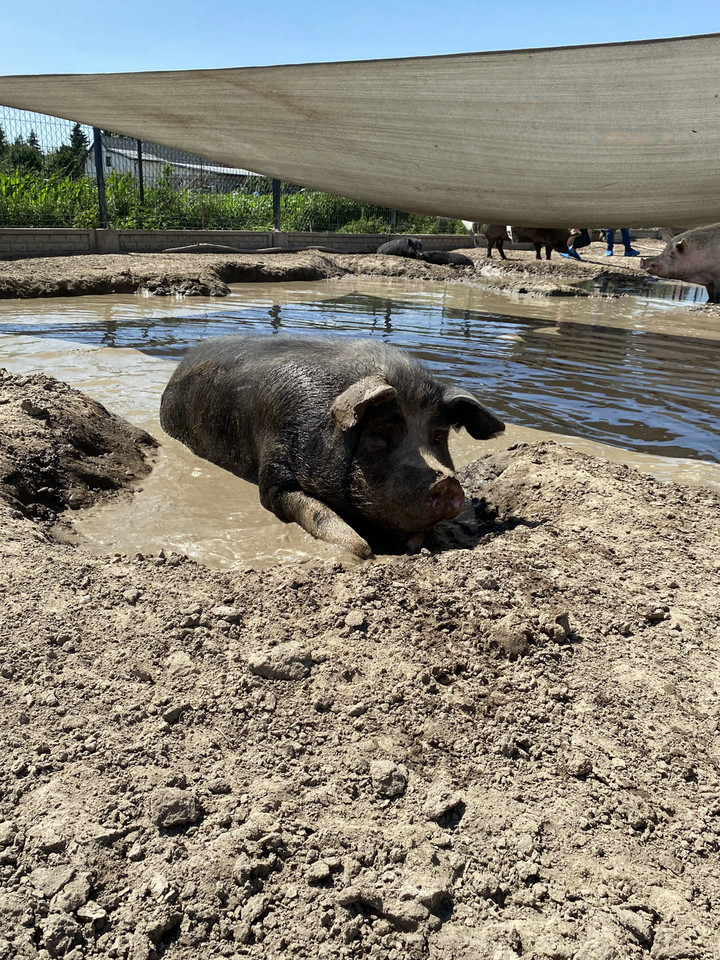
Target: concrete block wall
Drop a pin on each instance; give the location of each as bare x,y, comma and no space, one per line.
48,242
154,241
51,242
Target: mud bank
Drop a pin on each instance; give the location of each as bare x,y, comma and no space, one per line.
505,750
209,274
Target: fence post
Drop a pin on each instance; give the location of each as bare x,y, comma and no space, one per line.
100,175
277,220
140,171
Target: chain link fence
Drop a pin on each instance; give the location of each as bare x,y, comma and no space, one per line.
55,173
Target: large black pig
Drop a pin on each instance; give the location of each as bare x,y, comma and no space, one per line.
402,247
341,435
552,238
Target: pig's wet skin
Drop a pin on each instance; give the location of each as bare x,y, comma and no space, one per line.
347,438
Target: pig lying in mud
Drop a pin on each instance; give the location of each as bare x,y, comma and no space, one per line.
693,256
344,437
402,247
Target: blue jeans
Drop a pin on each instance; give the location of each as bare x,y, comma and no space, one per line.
610,237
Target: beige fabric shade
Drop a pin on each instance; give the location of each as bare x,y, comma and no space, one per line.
625,134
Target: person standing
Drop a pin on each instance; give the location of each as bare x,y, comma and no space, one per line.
610,242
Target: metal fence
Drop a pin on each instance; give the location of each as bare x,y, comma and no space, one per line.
55,173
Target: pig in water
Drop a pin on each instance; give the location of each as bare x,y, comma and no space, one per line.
339,434
693,256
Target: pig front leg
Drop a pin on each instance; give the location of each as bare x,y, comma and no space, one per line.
320,521
280,494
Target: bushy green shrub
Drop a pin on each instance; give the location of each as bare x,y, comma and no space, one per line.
56,197
367,225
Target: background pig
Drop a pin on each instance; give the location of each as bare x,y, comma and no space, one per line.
341,435
693,256
472,228
402,247
495,233
551,238
446,258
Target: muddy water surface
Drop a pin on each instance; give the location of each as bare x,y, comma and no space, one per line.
642,375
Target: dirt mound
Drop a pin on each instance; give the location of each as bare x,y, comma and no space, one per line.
60,449
208,274
499,751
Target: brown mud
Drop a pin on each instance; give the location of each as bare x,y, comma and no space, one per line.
209,274
505,746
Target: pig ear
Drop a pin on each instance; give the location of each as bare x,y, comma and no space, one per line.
348,409
465,410
681,246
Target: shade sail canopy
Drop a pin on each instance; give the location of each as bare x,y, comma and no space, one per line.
625,134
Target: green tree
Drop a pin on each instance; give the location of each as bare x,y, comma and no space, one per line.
21,158
69,159
79,143
64,162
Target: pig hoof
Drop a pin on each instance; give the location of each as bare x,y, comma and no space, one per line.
363,551
415,542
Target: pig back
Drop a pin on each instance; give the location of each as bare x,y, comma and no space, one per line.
245,401
227,399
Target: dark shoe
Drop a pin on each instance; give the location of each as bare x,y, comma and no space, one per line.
632,253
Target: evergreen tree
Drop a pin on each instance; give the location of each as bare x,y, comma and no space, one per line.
20,157
78,141
69,159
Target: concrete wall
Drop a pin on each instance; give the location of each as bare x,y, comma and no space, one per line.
55,242
18,242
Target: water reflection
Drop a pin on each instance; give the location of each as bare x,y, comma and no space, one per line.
650,288
649,391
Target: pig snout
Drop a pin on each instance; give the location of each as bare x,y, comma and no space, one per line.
652,265
445,499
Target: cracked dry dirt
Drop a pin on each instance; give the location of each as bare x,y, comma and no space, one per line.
506,750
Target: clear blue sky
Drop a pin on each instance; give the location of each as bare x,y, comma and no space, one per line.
94,36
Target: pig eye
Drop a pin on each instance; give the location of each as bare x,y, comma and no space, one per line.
439,434
386,434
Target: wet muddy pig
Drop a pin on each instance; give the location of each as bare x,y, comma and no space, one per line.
693,256
345,437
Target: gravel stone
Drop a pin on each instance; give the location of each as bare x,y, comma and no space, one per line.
173,807
389,779
287,661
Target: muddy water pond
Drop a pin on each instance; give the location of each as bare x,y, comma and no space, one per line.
635,378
